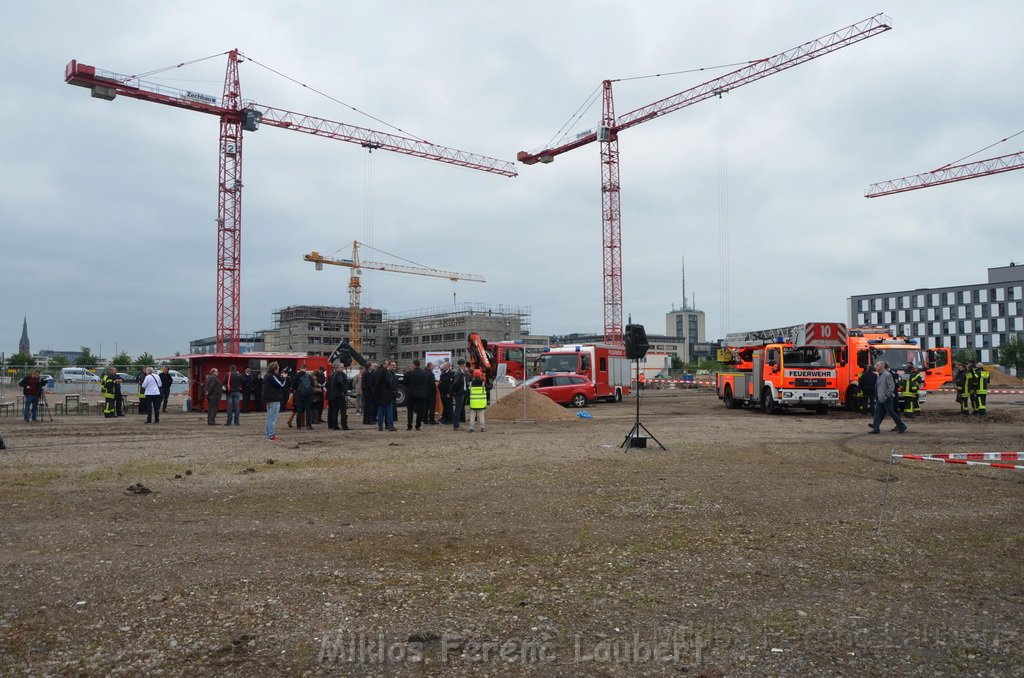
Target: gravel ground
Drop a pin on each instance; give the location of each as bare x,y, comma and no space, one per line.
750,547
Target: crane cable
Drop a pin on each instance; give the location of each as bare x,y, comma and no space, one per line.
369,214
980,150
335,99
171,68
574,119
688,70
563,132
724,250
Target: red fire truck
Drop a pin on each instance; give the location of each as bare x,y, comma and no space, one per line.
605,364
791,366
870,344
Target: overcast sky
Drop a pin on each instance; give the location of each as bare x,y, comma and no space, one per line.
108,207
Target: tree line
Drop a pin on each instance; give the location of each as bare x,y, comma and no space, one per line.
86,359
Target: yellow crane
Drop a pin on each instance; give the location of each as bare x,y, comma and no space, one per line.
355,286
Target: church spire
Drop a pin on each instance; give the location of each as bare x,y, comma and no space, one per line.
23,346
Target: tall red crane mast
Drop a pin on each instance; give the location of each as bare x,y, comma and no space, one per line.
947,175
238,116
608,136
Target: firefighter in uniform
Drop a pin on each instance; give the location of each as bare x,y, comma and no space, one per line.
897,394
107,387
962,395
912,382
867,381
979,388
142,391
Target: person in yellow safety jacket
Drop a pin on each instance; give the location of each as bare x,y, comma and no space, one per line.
979,388
477,401
142,391
912,383
107,387
962,395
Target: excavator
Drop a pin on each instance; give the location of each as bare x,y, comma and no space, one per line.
480,358
346,353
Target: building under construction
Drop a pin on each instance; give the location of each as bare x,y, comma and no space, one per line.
444,328
316,330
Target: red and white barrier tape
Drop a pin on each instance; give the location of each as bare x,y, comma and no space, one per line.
991,459
991,390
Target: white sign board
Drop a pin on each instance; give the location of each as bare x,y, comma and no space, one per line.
437,358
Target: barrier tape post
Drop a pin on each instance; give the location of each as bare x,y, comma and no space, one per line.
885,490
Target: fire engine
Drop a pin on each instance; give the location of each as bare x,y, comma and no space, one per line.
868,344
489,356
605,364
791,366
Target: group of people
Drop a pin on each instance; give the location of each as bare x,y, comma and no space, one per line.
306,392
888,394
154,392
302,391
457,387
885,399
240,388
971,382
908,387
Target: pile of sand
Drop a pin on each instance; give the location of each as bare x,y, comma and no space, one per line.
538,408
998,378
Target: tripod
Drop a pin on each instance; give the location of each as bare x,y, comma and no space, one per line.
44,405
633,438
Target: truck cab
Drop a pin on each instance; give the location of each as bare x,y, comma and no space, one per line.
868,345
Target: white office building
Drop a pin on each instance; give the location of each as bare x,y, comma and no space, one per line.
979,317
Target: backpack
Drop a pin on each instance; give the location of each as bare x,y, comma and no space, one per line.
305,386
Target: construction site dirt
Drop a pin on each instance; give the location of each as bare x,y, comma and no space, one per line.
752,546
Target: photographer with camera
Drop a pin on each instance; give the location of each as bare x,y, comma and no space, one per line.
33,388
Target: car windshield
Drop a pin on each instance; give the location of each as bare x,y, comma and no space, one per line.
808,356
555,362
898,358
532,380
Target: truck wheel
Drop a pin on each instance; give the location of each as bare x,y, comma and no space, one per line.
768,402
618,395
730,402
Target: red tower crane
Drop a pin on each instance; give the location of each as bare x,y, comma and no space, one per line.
608,136
947,175
237,116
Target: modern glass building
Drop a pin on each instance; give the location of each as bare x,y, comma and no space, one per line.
980,316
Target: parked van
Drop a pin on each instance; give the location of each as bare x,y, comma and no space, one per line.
177,377
76,374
